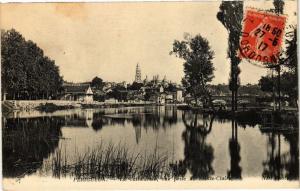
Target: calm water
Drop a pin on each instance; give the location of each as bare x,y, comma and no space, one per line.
205,146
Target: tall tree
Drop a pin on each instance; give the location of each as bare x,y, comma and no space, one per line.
12,66
26,72
278,5
289,78
198,66
231,15
291,61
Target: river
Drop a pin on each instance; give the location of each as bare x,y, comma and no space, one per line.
199,147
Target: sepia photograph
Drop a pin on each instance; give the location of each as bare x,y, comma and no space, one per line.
149,95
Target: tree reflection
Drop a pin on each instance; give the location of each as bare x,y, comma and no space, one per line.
273,168
198,155
291,163
27,141
234,150
137,125
281,165
98,121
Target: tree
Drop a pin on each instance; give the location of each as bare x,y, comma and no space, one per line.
289,86
266,83
290,77
278,5
198,67
97,83
231,15
291,61
26,73
136,86
13,75
118,92
171,88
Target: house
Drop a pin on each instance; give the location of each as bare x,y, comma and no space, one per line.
78,92
111,101
170,97
161,98
179,97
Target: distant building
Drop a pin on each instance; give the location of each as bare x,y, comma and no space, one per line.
138,74
179,96
111,100
161,98
78,92
169,98
161,89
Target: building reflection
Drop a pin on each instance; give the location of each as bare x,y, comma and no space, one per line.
140,118
198,155
83,118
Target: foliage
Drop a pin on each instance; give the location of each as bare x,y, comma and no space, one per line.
135,86
26,72
250,89
289,78
198,66
118,92
291,53
231,15
278,5
171,88
266,83
288,85
97,83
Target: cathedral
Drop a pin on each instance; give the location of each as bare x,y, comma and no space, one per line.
138,74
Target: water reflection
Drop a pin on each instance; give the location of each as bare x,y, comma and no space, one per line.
281,165
26,142
235,171
198,155
147,117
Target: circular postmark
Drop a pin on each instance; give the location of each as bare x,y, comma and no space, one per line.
261,37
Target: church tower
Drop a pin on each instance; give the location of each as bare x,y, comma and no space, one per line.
138,75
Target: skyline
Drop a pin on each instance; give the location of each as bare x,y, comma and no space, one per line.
109,39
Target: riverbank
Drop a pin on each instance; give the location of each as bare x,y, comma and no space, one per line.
253,115
54,105
249,115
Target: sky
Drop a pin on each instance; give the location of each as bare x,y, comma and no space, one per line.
109,39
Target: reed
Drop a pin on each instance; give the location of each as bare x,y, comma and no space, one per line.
112,162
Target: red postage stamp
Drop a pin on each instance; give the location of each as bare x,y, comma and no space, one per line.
262,36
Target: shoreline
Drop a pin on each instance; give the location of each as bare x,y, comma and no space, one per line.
49,106
249,115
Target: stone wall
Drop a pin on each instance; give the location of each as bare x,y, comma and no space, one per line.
31,104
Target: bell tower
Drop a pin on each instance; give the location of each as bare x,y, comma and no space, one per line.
138,75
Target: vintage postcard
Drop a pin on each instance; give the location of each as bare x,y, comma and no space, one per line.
149,95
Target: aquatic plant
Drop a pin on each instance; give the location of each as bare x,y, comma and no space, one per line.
112,162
